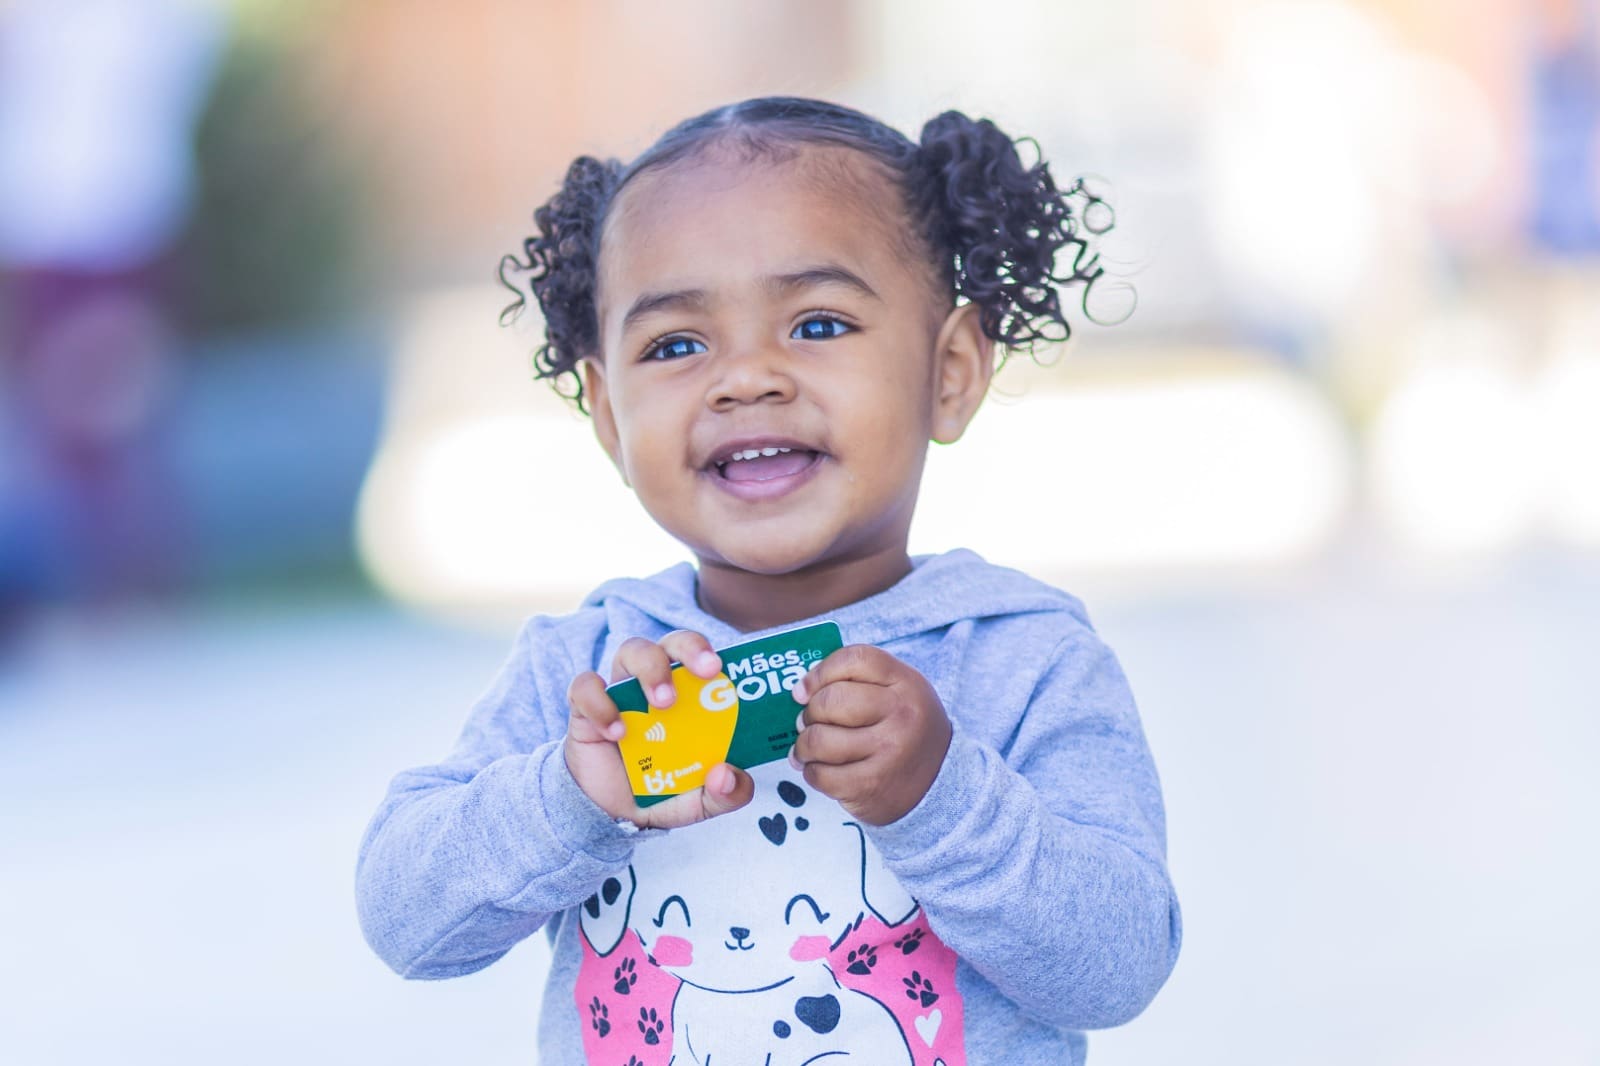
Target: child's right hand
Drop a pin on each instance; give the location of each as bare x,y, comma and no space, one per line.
596,725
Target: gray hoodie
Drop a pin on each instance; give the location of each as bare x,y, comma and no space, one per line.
1025,899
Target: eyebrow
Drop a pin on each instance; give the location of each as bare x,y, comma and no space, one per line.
778,284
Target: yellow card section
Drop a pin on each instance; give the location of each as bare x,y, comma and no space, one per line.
668,750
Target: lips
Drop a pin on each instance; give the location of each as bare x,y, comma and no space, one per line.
763,467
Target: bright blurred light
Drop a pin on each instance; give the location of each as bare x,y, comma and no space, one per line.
1566,401
488,491
495,496
1454,451
501,510
1294,211
1245,464
97,106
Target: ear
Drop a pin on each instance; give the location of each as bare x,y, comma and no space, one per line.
598,399
881,891
963,363
603,917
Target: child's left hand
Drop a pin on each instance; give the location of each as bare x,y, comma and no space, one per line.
873,733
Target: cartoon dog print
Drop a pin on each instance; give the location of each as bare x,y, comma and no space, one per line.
744,910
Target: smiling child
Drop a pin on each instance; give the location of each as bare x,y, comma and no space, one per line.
769,315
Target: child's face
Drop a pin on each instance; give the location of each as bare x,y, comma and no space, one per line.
745,307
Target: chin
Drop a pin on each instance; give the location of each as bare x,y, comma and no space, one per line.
766,559
770,564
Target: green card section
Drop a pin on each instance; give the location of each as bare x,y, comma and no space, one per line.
754,684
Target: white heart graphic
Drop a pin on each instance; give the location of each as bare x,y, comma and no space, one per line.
928,1025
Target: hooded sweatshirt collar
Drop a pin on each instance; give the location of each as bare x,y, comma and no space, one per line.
940,591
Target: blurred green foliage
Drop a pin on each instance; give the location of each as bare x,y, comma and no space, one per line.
277,234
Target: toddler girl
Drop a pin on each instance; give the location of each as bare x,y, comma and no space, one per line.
769,315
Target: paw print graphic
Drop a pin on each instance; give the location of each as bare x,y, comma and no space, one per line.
599,1016
920,989
862,960
625,977
911,941
651,1025
633,1060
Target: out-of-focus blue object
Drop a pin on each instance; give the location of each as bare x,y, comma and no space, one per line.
269,445
1566,140
261,452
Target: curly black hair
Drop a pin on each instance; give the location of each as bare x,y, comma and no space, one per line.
991,225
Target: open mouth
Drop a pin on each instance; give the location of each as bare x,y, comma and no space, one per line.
768,463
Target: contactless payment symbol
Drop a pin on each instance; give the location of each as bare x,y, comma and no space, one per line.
744,715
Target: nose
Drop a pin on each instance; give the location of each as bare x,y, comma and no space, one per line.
754,373
739,932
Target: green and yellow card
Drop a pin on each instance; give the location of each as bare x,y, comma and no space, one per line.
745,715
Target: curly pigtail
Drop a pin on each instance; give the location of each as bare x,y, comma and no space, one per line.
560,271
999,226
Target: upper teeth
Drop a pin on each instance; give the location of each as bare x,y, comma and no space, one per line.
756,453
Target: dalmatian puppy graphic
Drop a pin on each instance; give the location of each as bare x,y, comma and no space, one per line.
744,909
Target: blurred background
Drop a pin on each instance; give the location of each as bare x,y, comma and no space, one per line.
275,488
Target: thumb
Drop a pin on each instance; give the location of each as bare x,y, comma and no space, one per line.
727,788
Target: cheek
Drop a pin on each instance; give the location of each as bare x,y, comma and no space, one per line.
672,951
810,948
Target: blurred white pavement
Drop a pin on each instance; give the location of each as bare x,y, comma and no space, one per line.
1380,791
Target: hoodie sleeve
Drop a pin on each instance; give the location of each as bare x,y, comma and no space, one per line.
464,859
1044,868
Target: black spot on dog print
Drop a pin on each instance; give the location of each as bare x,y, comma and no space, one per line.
862,960
801,824
910,942
651,1025
633,1060
791,793
780,1029
775,828
625,977
609,891
599,1017
819,1013
920,989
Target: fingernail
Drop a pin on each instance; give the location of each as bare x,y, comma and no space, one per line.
794,762
799,691
725,783
800,722
615,730
664,694
707,662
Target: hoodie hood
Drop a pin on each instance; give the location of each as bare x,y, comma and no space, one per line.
940,591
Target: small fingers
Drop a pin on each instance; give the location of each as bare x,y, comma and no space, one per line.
834,781
853,662
651,662
693,651
852,704
594,715
831,745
